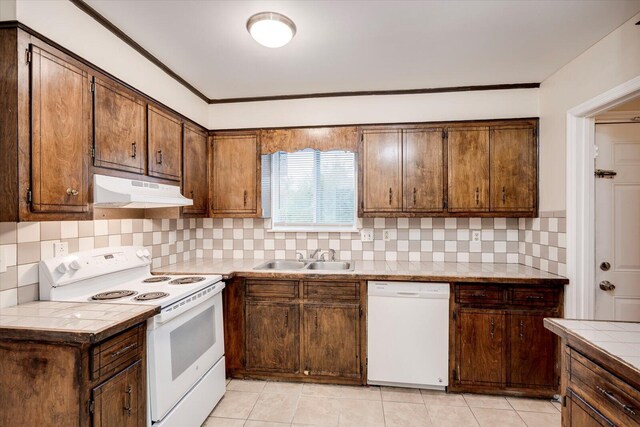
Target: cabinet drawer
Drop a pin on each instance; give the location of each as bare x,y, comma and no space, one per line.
349,291
616,399
272,289
535,297
480,294
117,353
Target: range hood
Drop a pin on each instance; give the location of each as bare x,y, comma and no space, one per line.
113,192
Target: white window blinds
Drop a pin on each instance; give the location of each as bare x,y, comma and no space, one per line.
314,188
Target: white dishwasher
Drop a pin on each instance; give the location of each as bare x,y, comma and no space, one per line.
408,334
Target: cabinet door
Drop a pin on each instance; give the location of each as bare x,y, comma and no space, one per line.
533,351
119,128
331,339
579,413
381,171
195,179
120,401
513,169
468,169
480,346
60,133
272,336
423,181
165,145
235,169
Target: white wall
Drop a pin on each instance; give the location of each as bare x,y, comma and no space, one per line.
612,61
376,109
73,29
7,10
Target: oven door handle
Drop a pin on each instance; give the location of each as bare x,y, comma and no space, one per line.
181,307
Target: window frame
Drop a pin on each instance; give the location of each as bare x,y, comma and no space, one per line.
314,227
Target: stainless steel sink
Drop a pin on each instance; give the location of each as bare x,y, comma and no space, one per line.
281,264
330,265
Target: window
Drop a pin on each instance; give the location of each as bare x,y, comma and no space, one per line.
313,190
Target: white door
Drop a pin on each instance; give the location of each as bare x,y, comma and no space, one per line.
617,205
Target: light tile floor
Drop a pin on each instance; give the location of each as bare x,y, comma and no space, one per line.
266,404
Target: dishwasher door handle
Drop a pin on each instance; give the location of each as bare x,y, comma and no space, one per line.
408,294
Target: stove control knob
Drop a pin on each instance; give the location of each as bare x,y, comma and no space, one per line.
75,265
140,253
146,253
63,268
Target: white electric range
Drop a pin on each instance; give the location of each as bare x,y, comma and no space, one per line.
185,341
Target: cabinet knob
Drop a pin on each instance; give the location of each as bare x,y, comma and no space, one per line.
72,192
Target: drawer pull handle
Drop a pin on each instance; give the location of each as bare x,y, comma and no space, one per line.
127,406
493,328
479,295
504,195
123,349
390,195
522,329
535,297
134,150
286,319
610,396
477,195
415,197
159,157
244,198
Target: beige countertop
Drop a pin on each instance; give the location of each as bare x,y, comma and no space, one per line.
70,321
373,270
618,339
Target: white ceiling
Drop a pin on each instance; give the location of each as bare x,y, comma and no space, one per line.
365,45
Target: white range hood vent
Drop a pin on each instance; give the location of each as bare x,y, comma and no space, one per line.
112,192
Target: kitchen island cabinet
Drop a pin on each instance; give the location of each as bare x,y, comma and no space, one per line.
600,372
64,369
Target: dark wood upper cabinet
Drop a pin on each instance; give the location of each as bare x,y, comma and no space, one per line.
381,169
60,133
195,176
165,144
480,346
272,336
119,128
331,339
119,401
468,169
423,180
513,168
527,367
235,170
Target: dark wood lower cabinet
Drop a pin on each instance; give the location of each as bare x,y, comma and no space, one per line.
296,330
61,382
481,346
581,414
119,401
332,340
273,336
498,343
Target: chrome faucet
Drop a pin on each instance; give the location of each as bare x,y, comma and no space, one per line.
332,255
314,253
299,256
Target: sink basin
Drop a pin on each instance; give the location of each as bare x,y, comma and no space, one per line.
330,265
281,265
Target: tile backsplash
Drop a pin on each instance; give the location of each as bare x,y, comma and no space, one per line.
412,239
24,244
537,242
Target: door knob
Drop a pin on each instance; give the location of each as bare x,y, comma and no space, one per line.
606,285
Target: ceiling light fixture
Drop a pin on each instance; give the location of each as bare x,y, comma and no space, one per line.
271,29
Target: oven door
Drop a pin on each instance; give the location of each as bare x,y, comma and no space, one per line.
181,350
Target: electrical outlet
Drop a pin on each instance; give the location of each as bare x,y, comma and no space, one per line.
475,235
389,235
366,235
60,249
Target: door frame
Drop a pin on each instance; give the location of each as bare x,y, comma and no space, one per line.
580,298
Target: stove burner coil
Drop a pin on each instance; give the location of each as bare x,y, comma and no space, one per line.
112,295
151,296
156,279
186,280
